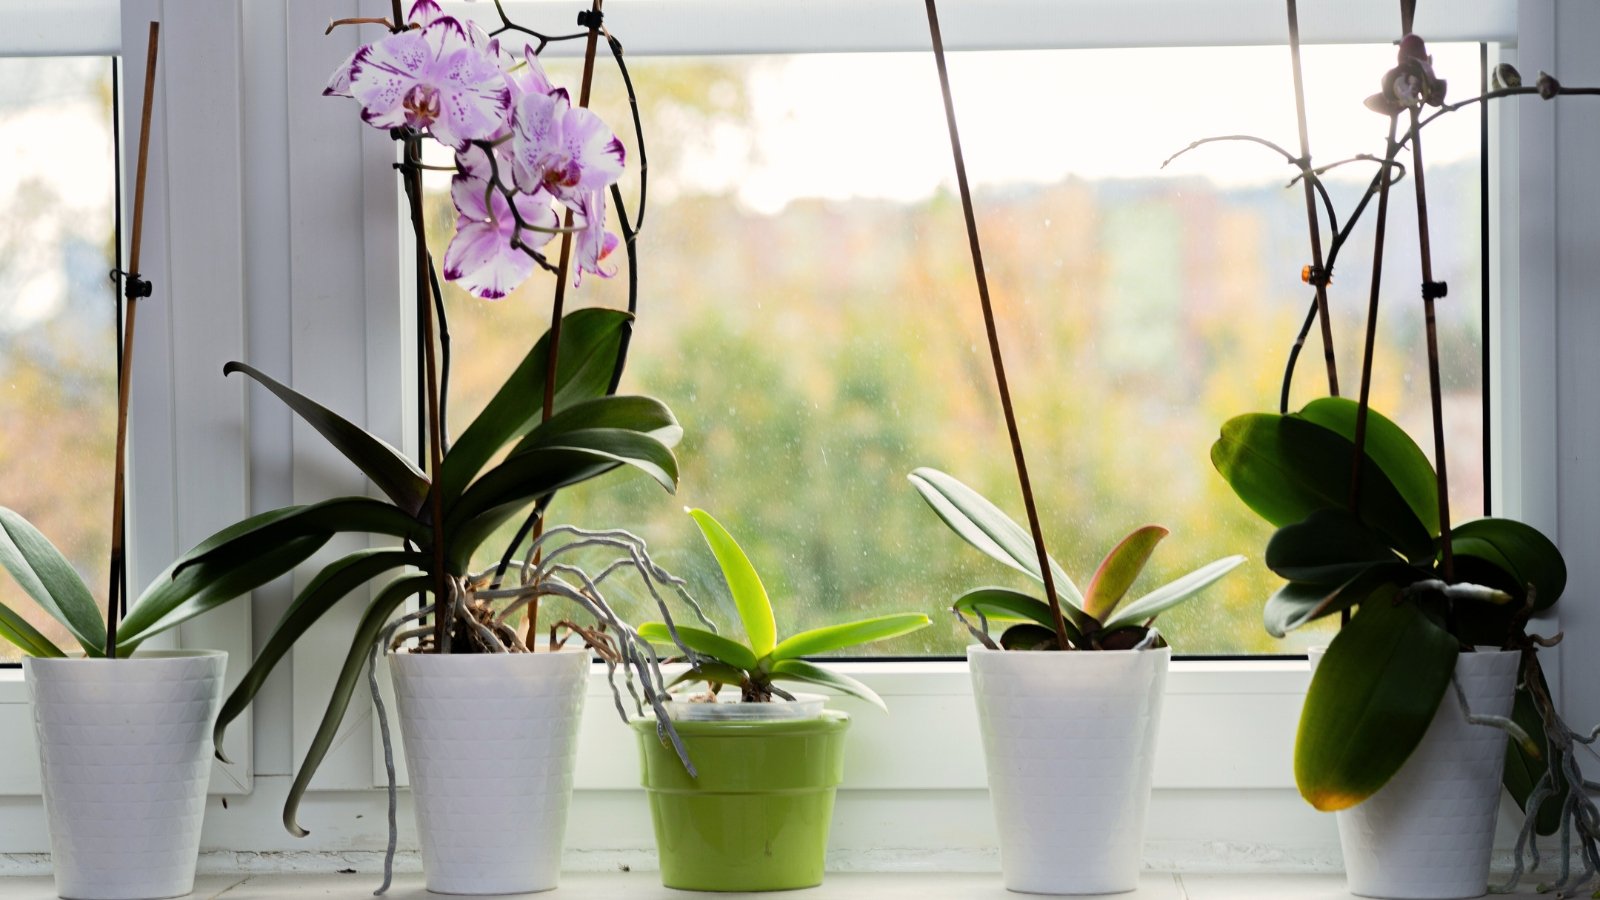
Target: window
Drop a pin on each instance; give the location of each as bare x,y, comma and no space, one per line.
807,309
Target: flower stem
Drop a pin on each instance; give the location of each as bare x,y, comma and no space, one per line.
1425,252
1319,274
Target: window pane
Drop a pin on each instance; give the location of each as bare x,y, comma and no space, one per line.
57,319
807,308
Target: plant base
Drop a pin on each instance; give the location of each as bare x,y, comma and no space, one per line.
125,754
757,817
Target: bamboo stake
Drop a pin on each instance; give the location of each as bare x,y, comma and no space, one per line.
125,376
988,322
1319,274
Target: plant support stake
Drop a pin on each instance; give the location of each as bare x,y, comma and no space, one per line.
988,323
134,288
1319,274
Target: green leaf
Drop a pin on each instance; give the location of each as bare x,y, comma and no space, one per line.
1330,547
1371,700
835,637
354,515
1285,468
24,636
1028,636
332,584
398,478
699,640
1119,570
980,523
170,601
1387,445
749,595
1298,602
50,580
711,672
646,415
1172,593
1523,771
1520,551
590,342
1004,603
366,635
811,673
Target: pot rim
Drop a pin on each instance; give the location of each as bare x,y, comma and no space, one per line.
563,653
829,720
981,650
77,657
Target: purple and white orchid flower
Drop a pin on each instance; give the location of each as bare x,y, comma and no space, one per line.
570,152
483,256
442,78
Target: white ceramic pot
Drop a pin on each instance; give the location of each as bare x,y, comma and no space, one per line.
125,755
490,741
1428,833
1069,739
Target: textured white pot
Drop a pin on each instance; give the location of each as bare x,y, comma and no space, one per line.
1069,739
490,744
125,754
1428,833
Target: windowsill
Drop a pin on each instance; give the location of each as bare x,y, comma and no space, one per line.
841,885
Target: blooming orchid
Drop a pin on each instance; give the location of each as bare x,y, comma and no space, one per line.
437,76
487,254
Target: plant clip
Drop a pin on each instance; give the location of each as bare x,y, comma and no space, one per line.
133,287
1316,276
591,18
1433,290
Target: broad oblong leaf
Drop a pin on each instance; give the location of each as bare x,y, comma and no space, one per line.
646,415
1285,468
983,525
1523,771
590,342
749,594
1118,571
1521,551
1387,445
699,640
372,622
351,515
1003,604
1330,547
332,584
1172,593
398,478
851,634
46,576
1297,602
1371,700
811,673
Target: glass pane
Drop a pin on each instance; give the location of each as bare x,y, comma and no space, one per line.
807,308
57,318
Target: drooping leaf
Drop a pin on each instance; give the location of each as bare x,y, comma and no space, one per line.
352,515
851,634
711,673
398,478
1028,636
1299,602
1330,547
1523,771
1004,604
1371,700
719,648
1118,571
1172,593
983,525
1285,468
744,585
1387,445
366,635
645,415
46,576
332,584
590,342
811,673
1519,550
17,630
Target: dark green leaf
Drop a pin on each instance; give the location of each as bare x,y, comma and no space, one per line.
852,634
366,635
332,584
699,640
1006,604
1330,547
1371,700
590,342
1387,445
396,476
1524,554
354,515
51,581
744,584
1172,593
1297,602
1523,771
1119,570
811,673
645,415
1028,636
1285,468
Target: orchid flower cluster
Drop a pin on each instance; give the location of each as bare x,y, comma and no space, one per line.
523,152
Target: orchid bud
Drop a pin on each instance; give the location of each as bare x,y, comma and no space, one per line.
1412,47
1506,76
1548,86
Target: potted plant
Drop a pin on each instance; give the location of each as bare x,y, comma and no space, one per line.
1405,725
1068,737
755,817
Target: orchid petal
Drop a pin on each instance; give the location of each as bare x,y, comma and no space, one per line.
423,13
339,82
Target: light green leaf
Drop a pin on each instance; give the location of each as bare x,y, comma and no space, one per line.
24,636
811,673
837,637
749,595
1371,699
1119,570
1172,593
46,576
711,673
699,640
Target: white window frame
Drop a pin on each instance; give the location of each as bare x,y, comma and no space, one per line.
322,217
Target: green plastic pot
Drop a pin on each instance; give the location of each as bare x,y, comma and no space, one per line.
757,817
